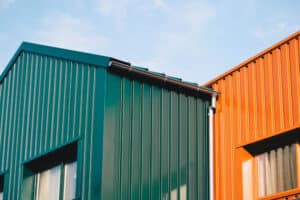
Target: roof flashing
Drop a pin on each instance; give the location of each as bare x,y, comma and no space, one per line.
77,56
106,62
124,68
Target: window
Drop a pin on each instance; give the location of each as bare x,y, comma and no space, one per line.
70,181
174,195
270,167
277,170
1,186
51,177
49,182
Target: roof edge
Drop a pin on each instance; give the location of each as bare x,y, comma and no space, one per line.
10,63
82,57
249,60
96,60
126,67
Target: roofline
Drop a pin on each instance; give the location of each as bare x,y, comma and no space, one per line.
126,67
87,58
274,46
99,61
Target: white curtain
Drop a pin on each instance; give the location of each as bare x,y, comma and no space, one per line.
173,194
1,195
70,181
49,184
183,192
277,170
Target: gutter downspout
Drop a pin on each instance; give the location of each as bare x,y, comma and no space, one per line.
211,112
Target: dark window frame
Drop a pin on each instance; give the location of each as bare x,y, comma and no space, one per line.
2,179
59,157
253,150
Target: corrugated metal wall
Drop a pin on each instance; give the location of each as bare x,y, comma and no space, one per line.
258,99
155,140
44,104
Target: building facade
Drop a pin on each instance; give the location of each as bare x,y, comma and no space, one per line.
257,121
82,126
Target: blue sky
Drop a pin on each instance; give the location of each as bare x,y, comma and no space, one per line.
192,39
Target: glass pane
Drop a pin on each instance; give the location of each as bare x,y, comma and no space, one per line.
70,181
287,168
174,194
277,170
262,190
1,195
268,173
183,192
29,184
293,166
280,177
273,171
48,184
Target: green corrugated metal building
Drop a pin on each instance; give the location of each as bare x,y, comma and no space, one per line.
81,126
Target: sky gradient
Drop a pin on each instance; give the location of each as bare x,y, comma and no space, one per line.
193,39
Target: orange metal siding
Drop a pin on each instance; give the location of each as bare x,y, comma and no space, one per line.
258,99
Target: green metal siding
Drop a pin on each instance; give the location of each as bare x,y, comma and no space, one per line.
154,141
62,54
134,140
46,103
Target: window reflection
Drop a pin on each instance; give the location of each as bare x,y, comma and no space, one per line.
277,170
70,181
173,194
48,184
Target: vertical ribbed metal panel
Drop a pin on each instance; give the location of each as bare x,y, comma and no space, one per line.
155,140
258,99
45,103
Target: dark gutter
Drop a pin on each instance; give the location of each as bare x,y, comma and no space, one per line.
120,66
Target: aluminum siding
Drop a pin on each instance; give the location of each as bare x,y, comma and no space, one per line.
258,99
154,140
46,103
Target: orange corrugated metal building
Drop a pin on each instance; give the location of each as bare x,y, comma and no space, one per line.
258,110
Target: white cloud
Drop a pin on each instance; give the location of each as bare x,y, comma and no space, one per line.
105,7
195,14
275,29
116,10
159,3
69,32
6,3
3,37
184,27
123,12
177,28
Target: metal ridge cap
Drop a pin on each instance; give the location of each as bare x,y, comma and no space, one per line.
127,67
68,54
77,56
